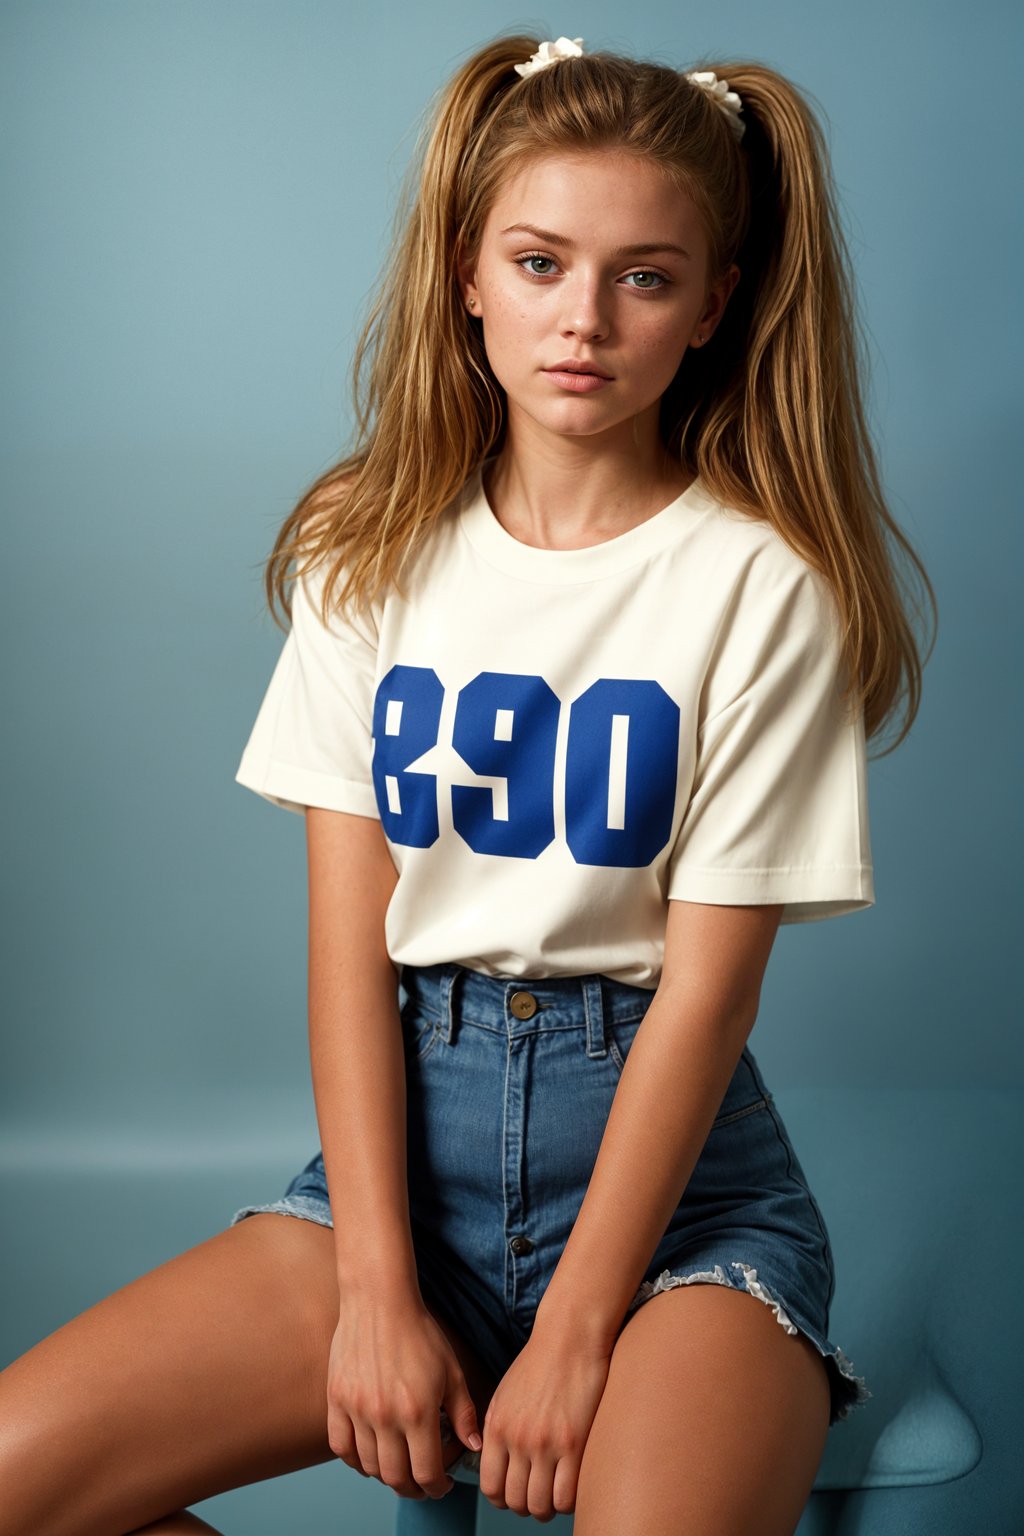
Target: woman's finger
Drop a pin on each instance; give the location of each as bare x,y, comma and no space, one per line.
426,1459
566,1483
458,1412
366,1448
517,1483
395,1465
493,1469
341,1437
540,1501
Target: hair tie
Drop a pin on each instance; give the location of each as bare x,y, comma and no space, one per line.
550,53
721,95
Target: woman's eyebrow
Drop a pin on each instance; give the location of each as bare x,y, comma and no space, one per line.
650,249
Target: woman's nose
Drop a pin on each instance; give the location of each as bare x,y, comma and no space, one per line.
585,312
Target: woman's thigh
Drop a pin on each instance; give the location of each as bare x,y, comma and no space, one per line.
713,1418
205,1373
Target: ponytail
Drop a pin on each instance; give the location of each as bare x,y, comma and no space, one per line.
775,423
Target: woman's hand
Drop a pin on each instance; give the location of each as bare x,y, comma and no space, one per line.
391,1369
537,1426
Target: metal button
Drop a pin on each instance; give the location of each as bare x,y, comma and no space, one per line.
521,1245
523,1005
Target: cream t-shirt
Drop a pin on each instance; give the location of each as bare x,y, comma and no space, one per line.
558,742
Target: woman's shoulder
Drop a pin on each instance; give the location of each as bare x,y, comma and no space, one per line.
429,560
758,554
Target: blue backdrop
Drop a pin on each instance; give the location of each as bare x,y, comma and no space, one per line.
197,197
197,200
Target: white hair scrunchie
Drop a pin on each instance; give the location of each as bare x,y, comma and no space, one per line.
550,53
721,95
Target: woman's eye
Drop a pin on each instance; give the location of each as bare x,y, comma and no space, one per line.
524,259
645,287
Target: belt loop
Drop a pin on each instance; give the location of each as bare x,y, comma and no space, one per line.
448,976
593,1007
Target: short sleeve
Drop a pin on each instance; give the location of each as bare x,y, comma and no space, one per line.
778,804
311,743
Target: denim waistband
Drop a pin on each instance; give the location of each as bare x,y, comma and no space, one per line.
558,1002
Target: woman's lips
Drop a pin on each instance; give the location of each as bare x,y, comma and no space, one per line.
579,383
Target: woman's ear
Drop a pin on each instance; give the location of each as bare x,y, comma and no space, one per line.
466,269
718,297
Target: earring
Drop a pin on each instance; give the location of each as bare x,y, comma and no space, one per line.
471,304
700,338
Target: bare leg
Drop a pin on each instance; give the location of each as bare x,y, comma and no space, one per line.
206,1373
713,1419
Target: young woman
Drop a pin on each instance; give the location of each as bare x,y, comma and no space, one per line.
588,635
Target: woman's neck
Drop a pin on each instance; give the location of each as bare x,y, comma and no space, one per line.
553,506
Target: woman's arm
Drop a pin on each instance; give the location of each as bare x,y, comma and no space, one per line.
674,1080
390,1365
356,1055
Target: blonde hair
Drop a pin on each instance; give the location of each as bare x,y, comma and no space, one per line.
770,415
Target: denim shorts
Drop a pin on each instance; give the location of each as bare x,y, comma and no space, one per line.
509,1086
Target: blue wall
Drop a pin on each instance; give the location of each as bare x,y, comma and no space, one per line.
196,199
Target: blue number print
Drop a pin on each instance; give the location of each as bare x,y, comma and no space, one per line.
406,711
505,726
620,772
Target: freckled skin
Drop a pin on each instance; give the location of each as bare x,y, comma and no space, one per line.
588,301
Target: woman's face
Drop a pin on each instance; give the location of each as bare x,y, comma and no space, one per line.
578,286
